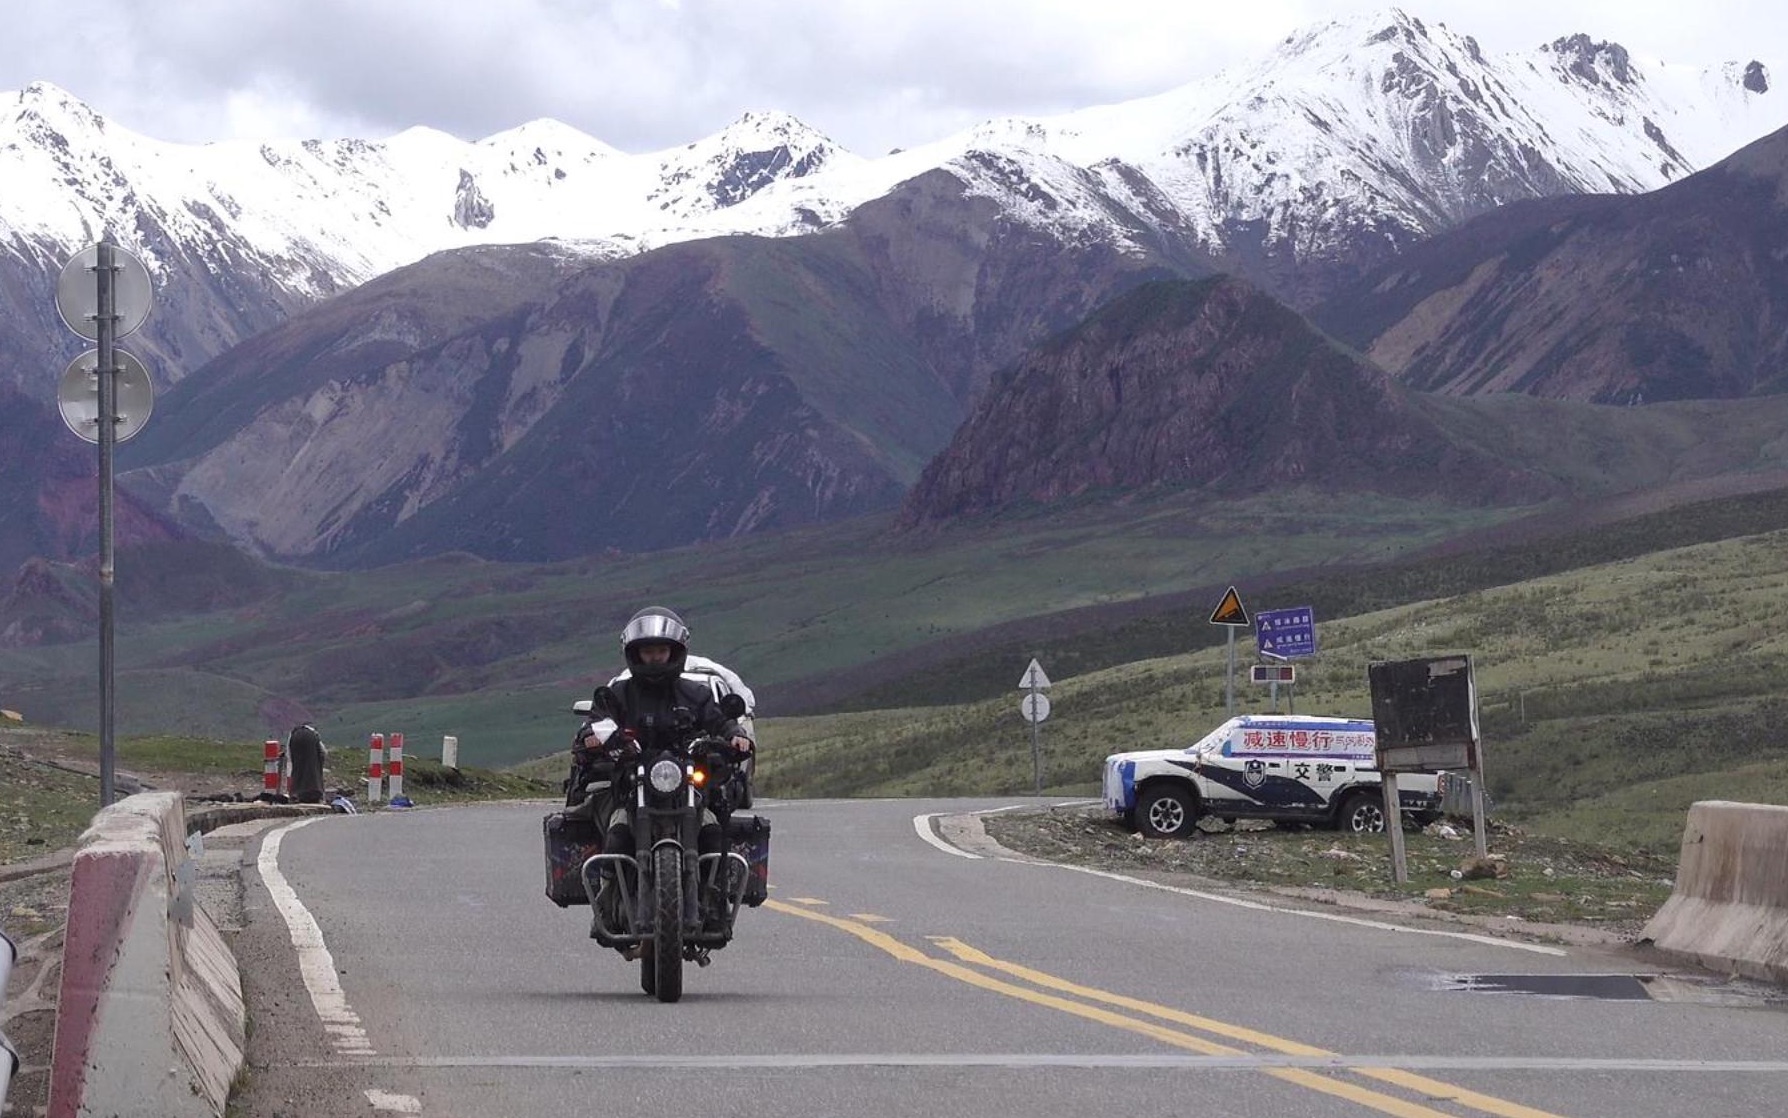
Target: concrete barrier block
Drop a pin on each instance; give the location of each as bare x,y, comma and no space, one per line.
1729,908
151,1018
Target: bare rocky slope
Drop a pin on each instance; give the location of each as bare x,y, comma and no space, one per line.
1199,384
700,391
49,490
1677,294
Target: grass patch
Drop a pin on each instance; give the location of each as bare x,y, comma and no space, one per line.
49,784
434,782
42,809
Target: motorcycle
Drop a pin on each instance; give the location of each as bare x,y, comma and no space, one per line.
664,902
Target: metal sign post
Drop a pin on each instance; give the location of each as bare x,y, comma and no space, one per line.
119,304
108,433
1231,613
1035,708
1274,674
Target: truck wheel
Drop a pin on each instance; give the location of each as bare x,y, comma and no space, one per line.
1167,811
1362,813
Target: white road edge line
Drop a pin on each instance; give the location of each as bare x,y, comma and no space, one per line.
1335,917
315,963
922,824
1241,1060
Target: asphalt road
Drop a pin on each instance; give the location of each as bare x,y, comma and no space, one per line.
889,976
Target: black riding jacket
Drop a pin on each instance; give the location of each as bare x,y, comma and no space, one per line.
642,700
648,709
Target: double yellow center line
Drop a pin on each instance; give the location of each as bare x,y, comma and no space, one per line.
1136,1019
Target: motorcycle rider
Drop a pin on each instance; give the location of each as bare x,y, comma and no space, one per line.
588,765
655,643
723,681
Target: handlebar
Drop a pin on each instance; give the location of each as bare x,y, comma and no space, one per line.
621,749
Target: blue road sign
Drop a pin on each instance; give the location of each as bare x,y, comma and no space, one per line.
1286,634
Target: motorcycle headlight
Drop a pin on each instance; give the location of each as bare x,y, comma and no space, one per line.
667,776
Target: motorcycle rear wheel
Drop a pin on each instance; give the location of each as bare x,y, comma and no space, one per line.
667,939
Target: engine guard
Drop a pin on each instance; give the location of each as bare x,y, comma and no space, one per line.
624,881
695,935
708,868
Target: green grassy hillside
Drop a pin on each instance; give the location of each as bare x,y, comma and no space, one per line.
1614,691
939,629
494,653
1612,697
1085,640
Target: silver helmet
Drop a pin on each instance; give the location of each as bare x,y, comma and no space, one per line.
655,625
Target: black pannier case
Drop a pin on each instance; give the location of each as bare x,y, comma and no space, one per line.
569,841
749,835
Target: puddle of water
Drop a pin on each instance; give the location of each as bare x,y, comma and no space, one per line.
1604,987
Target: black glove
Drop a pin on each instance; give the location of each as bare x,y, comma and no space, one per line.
621,745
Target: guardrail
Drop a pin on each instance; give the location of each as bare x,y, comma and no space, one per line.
9,1059
1455,795
148,982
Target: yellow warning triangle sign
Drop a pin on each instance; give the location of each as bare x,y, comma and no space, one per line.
1229,611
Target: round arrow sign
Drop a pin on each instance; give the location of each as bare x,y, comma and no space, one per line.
1035,707
77,292
77,395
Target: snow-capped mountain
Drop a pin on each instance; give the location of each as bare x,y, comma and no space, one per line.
327,214
1346,142
341,400
1353,139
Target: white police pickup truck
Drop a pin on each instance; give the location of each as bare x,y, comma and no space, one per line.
1290,768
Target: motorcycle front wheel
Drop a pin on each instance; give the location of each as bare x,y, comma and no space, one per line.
666,956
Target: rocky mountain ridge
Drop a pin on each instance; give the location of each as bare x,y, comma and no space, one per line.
695,392
878,337
1347,142
1678,294
514,400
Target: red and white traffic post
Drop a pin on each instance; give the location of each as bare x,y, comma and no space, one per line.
270,767
375,769
394,769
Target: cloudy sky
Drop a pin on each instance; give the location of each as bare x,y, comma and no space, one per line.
649,74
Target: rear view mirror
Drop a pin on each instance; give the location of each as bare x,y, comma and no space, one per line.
732,706
605,702
582,706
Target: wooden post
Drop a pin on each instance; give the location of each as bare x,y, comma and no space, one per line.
1479,829
1393,825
